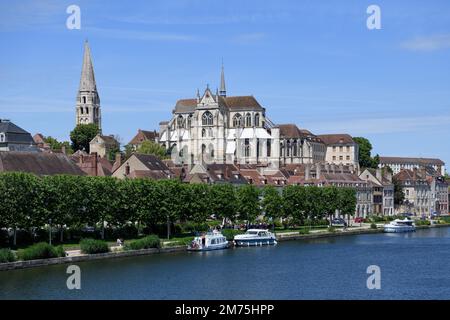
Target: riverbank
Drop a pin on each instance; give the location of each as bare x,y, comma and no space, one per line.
122,254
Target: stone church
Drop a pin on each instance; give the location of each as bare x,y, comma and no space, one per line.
217,128
88,101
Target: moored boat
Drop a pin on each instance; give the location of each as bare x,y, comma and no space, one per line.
210,241
398,225
255,237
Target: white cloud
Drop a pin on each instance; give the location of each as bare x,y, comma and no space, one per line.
431,43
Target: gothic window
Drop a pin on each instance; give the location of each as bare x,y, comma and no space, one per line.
257,120
189,121
288,148
294,152
203,132
2,137
207,119
84,99
237,120
247,148
248,120
81,109
268,147
87,110
180,121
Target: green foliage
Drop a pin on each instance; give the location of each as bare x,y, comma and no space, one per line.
399,196
422,222
6,255
373,226
272,203
331,229
92,246
148,242
57,145
248,206
223,201
230,233
82,135
365,149
153,148
41,250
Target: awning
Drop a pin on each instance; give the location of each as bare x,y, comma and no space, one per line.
231,147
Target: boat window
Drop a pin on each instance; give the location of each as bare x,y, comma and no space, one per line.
252,232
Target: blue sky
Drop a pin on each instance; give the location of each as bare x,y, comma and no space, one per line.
313,63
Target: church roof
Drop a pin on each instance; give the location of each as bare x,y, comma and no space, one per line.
87,81
236,103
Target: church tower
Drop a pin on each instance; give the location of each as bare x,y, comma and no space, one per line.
88,101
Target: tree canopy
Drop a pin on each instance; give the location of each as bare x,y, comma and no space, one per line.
365,157
82,135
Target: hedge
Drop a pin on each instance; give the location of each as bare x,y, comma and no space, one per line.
92,246
41,250
148,242
6,255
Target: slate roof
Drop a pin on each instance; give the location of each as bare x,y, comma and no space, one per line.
236,103
15,134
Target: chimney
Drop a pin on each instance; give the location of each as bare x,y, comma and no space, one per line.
389,176
118,160
95,163
63,149
307,172
379,176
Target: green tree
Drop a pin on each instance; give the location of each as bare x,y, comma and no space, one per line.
170,201
153,148
365,157
347,201
20,203
294,203
330,200
197,203
248,206
399,196
82,135
272,203
223,201
57,145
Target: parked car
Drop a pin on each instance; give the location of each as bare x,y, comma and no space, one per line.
338,222
359,220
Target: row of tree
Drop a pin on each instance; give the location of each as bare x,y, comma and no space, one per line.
76,201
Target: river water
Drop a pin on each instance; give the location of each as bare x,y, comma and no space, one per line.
413,266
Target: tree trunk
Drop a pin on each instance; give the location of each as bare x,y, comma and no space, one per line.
15,237
103,230
61,234
168,228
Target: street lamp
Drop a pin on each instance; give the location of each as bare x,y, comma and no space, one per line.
50,231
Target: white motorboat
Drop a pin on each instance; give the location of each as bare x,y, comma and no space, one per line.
210,241
398,225
255,237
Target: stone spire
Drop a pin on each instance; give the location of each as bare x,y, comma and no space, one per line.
223,90
88,101
87,81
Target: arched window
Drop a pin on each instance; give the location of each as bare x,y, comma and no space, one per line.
294,151
180,121
247,148
189,121
203,132
268,147
257,120
84,99
81,110
2,137
237,120
207,119
87,110
248,120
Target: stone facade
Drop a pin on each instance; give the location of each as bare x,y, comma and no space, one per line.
383,191
399,163
103,145
341,149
